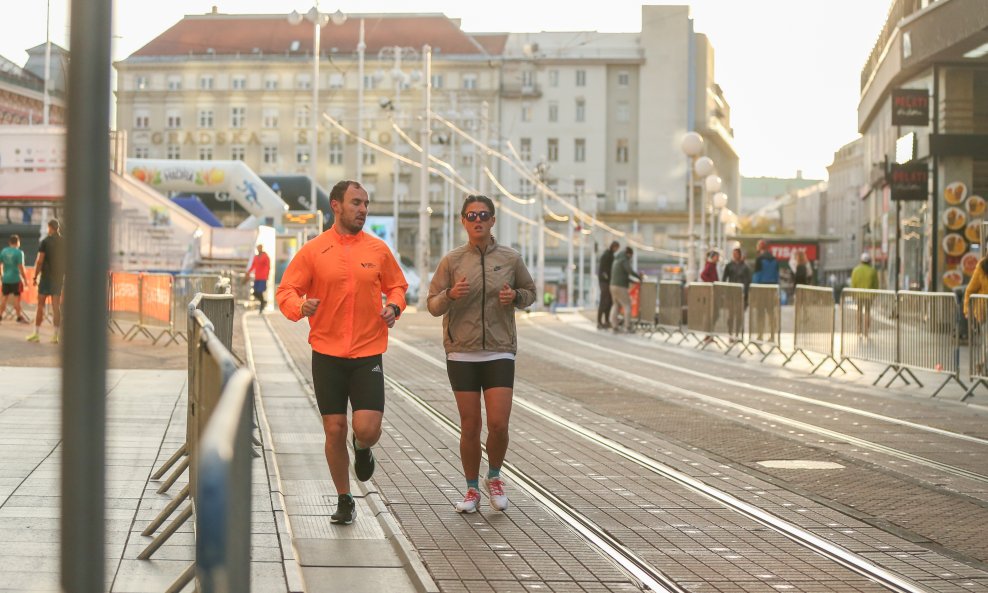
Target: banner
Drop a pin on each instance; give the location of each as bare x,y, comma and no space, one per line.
156,298
125,292
909,182
910,107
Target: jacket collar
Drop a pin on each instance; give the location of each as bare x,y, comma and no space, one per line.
490,246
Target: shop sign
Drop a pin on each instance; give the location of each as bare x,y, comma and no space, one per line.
909,182
910,107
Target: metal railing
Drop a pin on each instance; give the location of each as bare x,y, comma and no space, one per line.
670,320
700,313
933,316
728,313
764,320
977,323
648,297
868,328
152,304
814,330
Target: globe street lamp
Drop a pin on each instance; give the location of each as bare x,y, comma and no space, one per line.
692,146
318,20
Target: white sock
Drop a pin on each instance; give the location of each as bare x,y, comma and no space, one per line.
37,329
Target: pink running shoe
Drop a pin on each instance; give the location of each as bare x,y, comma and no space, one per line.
495,490
470,502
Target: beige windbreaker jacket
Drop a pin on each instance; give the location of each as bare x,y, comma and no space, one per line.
478,321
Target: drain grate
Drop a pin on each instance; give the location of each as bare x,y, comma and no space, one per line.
799,464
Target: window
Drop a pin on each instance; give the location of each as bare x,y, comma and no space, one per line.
302,155
271,82
238,82
553,111
580,150
270,155
437,81
581,110
553,78
370,83
142,83
206,82
238,117
238,152
581,78
622,112
173,152
470,81
335,151
528,80
370,158
205,118
525,149
336,80
142,119
623,78
205,153
142,152
526,112
173,119
621,196
466,160
622,150
302,116
303,81
552,150
174,82
269,117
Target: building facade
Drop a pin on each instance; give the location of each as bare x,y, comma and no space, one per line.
568,105
22,89
842,213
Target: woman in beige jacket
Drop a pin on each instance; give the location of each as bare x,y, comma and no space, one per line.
476,289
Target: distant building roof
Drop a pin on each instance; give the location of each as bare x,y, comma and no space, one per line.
226,35
14,74
770,187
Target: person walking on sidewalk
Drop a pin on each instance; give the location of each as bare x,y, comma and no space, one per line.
12,277
604,280
476,289
50,265
261,267
336,280
864,276
621,274
737,272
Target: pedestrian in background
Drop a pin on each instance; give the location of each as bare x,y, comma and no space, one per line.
738,272
766,272
864,275
261,267
13,275
621,274
977,285
802,273
709,273
476,289
336,280
50,265
604,281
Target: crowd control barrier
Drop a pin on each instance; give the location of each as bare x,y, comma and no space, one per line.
764,320
700,314
933,316
152,305
728,313
977,323
815,325
868,328
670,320
648,296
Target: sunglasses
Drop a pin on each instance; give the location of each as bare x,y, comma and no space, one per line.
483,215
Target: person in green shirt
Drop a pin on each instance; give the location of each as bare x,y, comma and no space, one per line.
12,277
864,275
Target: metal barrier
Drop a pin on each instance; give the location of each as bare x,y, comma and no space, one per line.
124,302
933,316
151,304
156,308
977,322
764,320
648,296
670,320
728,312
700,314
814,329
868,328
184,289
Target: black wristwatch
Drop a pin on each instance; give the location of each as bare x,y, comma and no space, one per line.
396,309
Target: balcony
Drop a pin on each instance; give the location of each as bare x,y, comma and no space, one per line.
517,90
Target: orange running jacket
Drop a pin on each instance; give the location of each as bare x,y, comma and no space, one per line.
348,274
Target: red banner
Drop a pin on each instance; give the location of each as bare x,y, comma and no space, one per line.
786,250
125,292
29,294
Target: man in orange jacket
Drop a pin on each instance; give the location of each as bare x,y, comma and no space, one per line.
337,280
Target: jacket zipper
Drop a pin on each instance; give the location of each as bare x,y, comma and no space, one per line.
483,302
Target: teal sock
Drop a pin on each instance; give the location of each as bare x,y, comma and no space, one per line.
494,472
474,483
347,495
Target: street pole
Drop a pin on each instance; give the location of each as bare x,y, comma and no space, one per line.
582,299
570,223
540,240
423,238
690,242
361,47
397,77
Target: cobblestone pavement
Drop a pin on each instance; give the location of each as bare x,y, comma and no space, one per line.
701,544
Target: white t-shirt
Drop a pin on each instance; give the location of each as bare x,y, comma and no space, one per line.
479,356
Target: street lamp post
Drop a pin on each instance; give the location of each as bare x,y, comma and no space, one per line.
719,202
318,20
692,146
711,186
540,171
400,79
422,255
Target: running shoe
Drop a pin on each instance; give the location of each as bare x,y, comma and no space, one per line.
346,510
23,320
470,502
34,337
495,493
363,461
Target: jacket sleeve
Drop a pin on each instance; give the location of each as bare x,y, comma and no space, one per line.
524,285
294,286
393,283
438,301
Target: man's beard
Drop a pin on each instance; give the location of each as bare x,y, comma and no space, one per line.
354,225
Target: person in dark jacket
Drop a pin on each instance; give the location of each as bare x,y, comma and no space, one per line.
621,274
766,272
604,280
738,272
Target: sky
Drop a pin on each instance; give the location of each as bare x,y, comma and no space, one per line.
790,69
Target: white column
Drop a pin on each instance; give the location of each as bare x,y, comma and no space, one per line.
423,238
540,242
396,168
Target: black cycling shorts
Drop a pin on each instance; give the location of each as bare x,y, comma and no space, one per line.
477,376
339,380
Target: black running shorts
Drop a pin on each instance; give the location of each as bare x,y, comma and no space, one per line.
477,376
339,380
13,288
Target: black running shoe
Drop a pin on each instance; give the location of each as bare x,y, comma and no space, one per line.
346,510
363,462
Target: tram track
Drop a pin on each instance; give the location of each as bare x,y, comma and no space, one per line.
646,575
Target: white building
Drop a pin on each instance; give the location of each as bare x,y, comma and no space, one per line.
843,212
